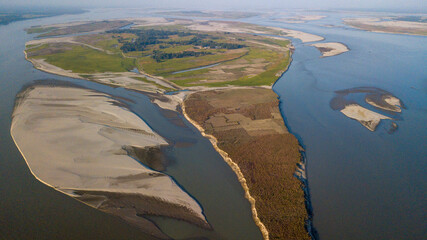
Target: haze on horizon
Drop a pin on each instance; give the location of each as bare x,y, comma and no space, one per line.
403,5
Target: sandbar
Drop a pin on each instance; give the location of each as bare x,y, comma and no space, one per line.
366,117
331,48
76,141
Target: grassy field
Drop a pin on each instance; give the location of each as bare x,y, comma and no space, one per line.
258,61
275,64
81,59
39,29
164,68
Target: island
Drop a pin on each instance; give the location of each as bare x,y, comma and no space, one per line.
211,14
299,18
90,141
412,25
381,100
218,74
331,48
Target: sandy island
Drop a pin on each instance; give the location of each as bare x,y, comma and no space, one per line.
366,117
388,25
300,18
87,138
378,98
331,48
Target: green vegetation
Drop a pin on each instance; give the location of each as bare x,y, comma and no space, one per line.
233,59
81,59
39,29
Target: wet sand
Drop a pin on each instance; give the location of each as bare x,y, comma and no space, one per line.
75,140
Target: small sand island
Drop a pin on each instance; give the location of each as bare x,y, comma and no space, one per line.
331,48
300,18
89,141
227,72
377,98
413,25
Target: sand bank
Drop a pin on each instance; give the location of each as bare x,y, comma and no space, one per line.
303,36
366,117
388,25
300,18
331,48
386,102
75,140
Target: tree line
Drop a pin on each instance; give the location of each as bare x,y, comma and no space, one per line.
160,56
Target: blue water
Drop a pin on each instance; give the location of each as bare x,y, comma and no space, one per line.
364,185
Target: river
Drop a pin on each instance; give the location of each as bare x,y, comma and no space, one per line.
363,185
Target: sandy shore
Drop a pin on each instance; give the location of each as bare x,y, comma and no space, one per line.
366,117
331,48
303,36
387,25
388,102
84,135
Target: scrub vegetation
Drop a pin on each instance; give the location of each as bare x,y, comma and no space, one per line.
249,127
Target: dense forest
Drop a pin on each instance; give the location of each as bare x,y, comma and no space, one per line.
159,56
148,37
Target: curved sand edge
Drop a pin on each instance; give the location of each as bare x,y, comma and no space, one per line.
82,134
331,48
236,170
366,117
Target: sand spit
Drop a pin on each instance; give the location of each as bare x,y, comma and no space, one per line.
304,37
74,140
331,48
366,117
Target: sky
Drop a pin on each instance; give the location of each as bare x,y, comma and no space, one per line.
419,5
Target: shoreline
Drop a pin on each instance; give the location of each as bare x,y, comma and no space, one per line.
111,181
236,170
303,170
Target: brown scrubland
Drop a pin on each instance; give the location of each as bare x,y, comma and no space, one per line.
248,126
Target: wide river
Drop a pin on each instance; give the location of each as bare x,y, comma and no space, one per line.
363,185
